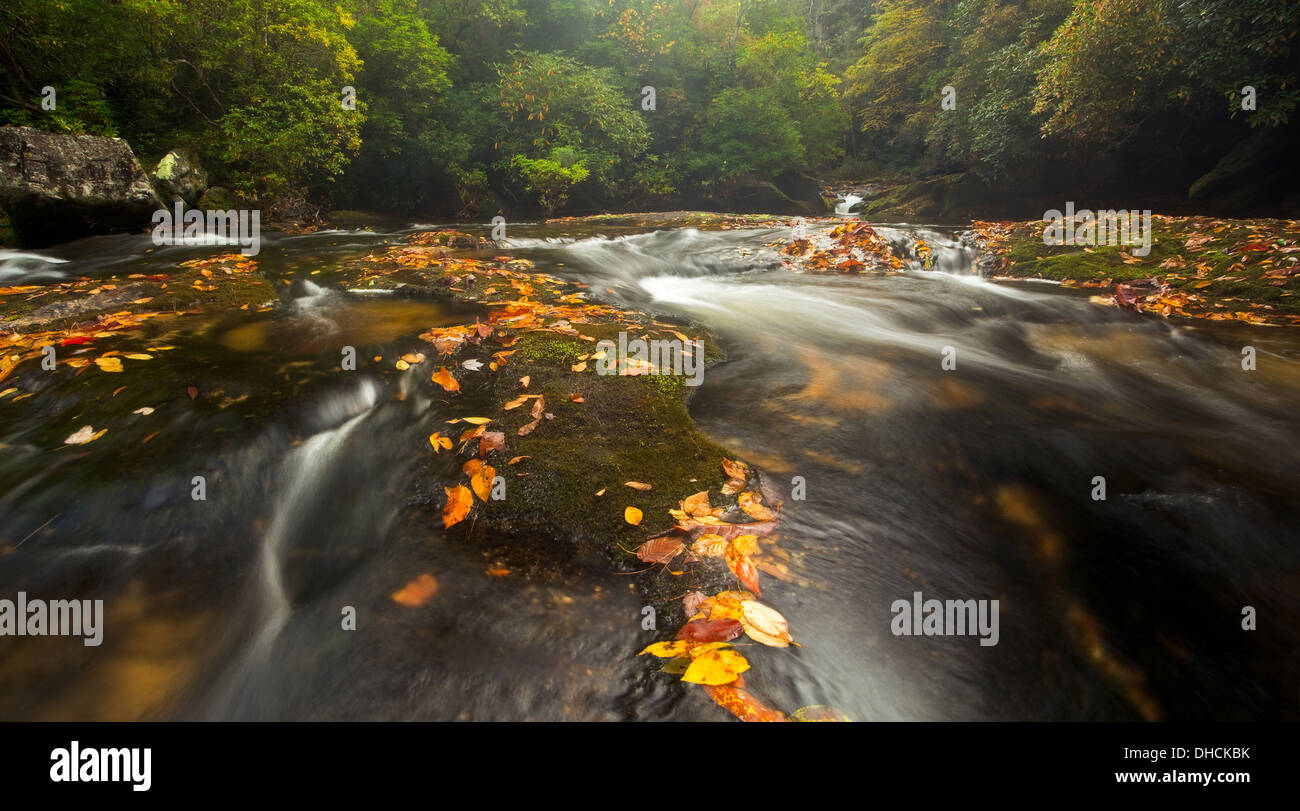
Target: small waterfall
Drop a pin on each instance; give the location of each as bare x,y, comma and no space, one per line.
304,473
843,207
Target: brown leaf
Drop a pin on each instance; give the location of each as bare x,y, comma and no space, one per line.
711,630
638,485
491,441
660,550
691,602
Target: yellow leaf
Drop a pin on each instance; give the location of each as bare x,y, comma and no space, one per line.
109,364
138,356
667,650
439,442
745,544
632,515
716,667
482,481
710,546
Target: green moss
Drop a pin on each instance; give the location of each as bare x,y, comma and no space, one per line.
629,428
1196,271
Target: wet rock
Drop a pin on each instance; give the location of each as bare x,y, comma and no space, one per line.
61,187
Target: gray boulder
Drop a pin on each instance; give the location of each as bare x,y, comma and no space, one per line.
61,187
179,176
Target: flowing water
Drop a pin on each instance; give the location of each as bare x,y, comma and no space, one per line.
974,483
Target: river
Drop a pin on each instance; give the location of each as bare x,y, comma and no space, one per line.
974,482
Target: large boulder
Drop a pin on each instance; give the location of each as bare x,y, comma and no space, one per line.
752,195
61,187
179,176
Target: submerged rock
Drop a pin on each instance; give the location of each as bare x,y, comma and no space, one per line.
61,187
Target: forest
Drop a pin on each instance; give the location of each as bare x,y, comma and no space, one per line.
472,107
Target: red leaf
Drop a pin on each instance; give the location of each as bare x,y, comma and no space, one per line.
711,630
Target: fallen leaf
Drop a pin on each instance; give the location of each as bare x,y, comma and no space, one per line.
482,481
818,712
443,378
691,602
716,667
741,703
743,568
491,441
723,630
417,592
517,459
765,625
459,502
753,507
83,435
109,364
632,515
638,485
658,550
698,504
710,545
668,650
439,442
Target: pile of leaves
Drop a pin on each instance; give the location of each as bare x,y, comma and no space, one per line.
212,268
851,247
726,538
75,346
1199,267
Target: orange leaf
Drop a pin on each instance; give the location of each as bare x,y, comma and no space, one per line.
741,703
417,592
459,501
443,378
743,568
